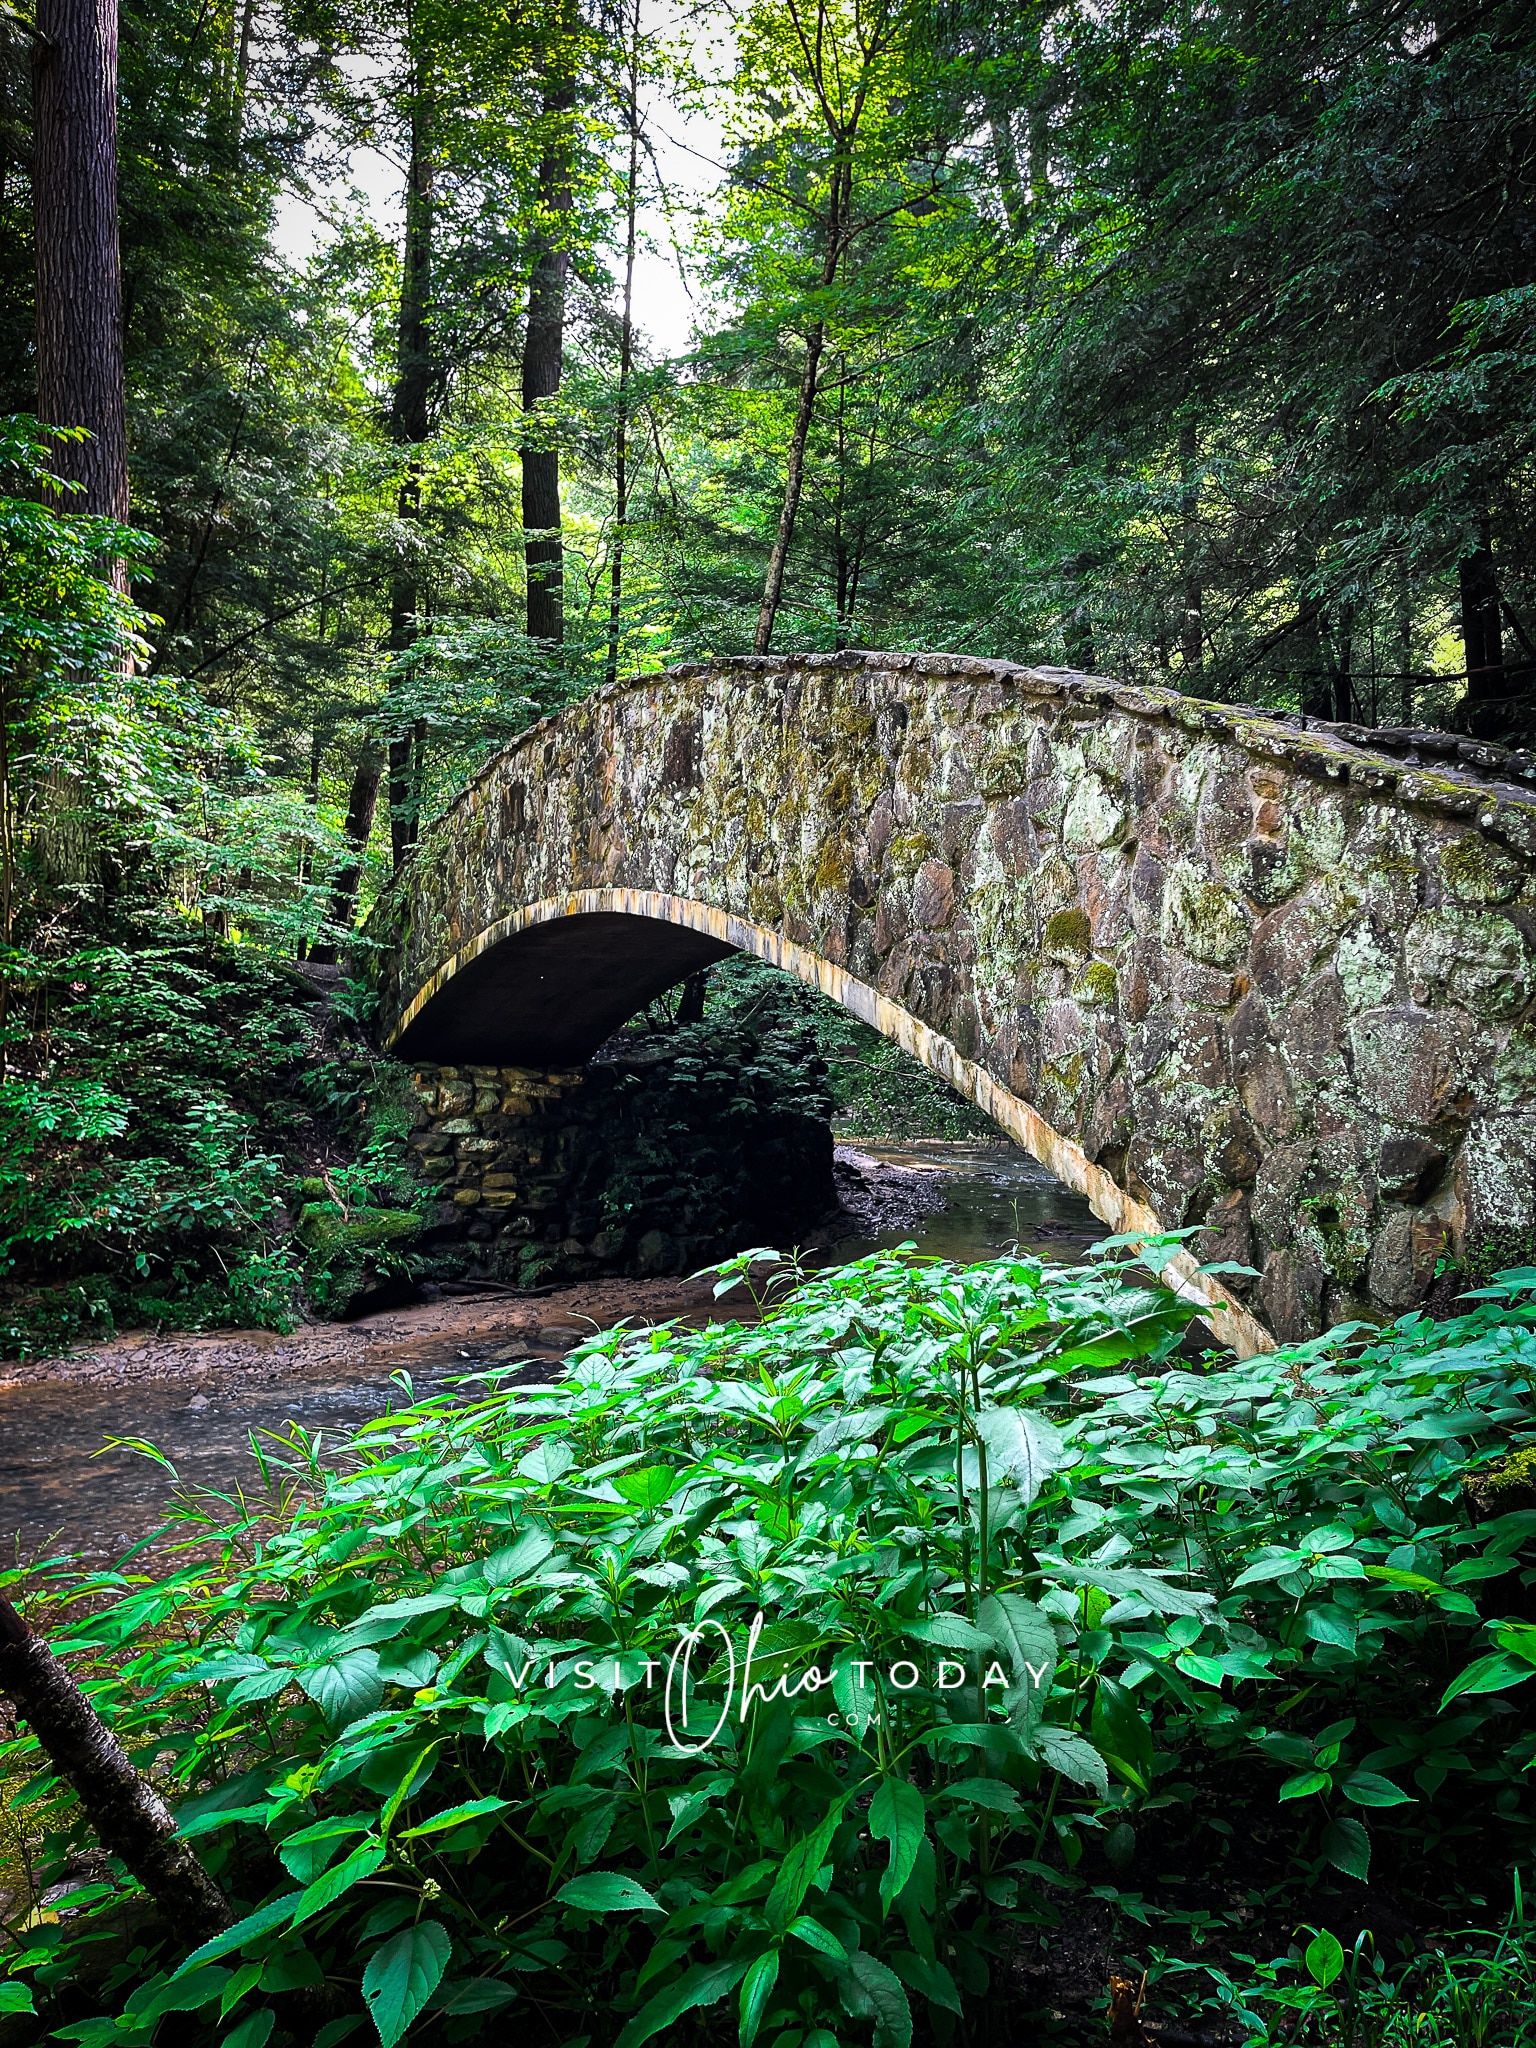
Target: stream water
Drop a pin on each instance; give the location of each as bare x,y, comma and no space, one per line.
69,1483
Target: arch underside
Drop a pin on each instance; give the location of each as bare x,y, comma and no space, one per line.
548,984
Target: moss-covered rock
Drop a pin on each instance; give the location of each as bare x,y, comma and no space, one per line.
323,1229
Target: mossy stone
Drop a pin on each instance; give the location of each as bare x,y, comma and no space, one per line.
1068,934
322,1227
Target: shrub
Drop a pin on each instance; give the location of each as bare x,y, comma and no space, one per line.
474,1725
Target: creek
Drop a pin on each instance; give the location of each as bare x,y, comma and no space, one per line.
69,1483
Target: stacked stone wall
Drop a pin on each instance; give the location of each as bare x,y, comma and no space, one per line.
566,1173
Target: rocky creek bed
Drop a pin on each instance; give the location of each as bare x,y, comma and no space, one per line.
197,1398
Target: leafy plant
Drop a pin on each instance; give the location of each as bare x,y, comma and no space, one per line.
782,1671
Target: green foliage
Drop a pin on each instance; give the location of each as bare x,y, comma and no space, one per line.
783,1671
137,1172
877,1090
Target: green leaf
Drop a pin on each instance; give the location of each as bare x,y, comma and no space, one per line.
1304,1784
306,1854
1493,1673
337,2030
756,1990
949,1631
518,1560
1024,1635
403,1975
474,1994
881,1992
276,1913
253,2031
1021,1447
547,1462
1368,1788
455,1816
897,1816
1121,1734
814,1935
606,1891
989,1792
346,1688
16,1998
704,1984
1067,1753
181,1993
648,1488
930,1978
798,1871
1324,1959
1348,1848
330,1884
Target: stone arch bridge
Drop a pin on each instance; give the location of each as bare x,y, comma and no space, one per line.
1210,965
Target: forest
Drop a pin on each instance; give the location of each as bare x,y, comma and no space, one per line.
376,382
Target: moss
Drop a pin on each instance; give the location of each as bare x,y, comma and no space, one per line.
1504,1487
1068,934
323,1228
909,850
1005,773
1478,872
834,871
1097,985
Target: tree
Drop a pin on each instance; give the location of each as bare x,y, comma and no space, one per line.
79,293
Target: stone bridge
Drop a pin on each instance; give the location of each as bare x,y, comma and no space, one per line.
1213,967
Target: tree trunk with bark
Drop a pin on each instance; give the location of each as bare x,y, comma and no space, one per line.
1192,625
361,806
626,364
1482,633
543,362
410,425
79,285
130,1819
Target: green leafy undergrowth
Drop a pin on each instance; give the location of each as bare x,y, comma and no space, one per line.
877,1089
774,1681
142,1128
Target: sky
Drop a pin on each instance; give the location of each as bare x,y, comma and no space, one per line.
687,151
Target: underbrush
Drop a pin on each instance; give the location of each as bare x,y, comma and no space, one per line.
159,1139
150,1100
806,1680
877,1090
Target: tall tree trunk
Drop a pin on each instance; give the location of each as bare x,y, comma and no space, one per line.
361,805
79,286
1005,158
1482,634
839,208
626,360
1192,626
543,361
130,1818
410,424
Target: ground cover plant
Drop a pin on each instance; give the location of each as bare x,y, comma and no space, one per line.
783,1681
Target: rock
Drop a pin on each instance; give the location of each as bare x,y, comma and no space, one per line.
655,1253
1410,1170
322,1228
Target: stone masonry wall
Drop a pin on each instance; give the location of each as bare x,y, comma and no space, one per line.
1268,978
660,1159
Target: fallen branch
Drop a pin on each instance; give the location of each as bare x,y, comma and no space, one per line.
130,1818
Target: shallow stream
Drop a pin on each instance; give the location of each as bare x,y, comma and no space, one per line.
64,1488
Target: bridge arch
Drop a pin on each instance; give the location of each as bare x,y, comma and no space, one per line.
1210,966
